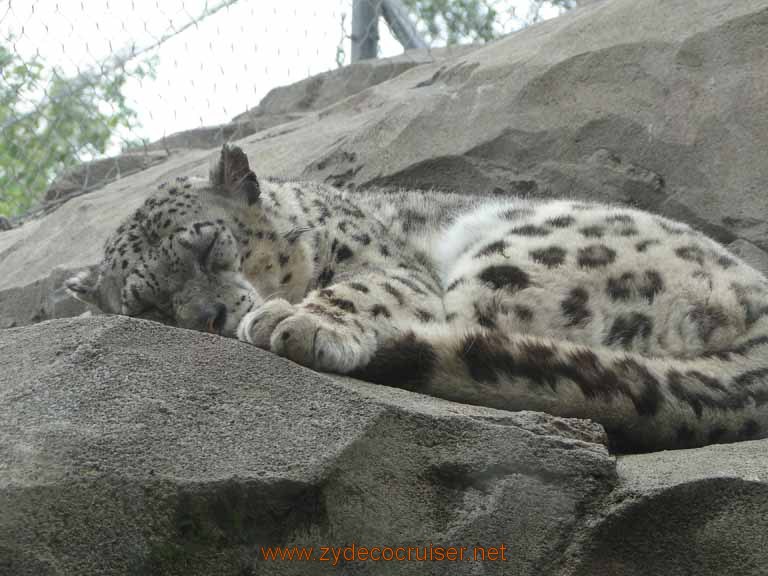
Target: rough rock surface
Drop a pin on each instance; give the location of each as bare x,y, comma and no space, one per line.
288,103
685,512
128,447
92,175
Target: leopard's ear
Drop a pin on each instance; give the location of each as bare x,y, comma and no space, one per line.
233,175
92,287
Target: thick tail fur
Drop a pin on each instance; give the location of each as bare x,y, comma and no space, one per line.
645,403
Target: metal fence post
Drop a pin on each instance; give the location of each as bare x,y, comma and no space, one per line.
365,29
396,16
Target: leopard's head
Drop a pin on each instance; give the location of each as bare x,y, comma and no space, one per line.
178,258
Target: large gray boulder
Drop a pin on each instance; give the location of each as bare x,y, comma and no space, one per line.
128,447
685,512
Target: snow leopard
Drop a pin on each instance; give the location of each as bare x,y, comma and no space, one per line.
577,309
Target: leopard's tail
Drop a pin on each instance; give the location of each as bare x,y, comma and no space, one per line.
645,403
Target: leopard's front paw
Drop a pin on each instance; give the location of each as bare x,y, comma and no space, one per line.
309,340
257,327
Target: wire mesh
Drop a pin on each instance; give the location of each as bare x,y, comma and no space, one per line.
91,91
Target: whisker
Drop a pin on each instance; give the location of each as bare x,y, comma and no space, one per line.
273,295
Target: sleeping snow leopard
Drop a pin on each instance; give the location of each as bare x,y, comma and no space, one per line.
577,309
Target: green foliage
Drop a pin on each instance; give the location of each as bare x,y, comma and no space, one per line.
468,20
49,122
455,20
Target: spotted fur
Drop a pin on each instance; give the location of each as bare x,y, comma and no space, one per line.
576,309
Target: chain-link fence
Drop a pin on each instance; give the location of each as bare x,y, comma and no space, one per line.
95,90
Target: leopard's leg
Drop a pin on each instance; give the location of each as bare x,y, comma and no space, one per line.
340,327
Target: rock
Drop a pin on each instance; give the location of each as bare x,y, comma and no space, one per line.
128,447
204,138
94,175
288,103
684,512
751,254
657,104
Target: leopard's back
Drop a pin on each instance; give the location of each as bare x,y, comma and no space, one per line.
596,275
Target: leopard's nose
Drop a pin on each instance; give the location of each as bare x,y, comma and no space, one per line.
214,317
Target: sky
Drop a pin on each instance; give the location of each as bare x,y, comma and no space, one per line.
207,73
